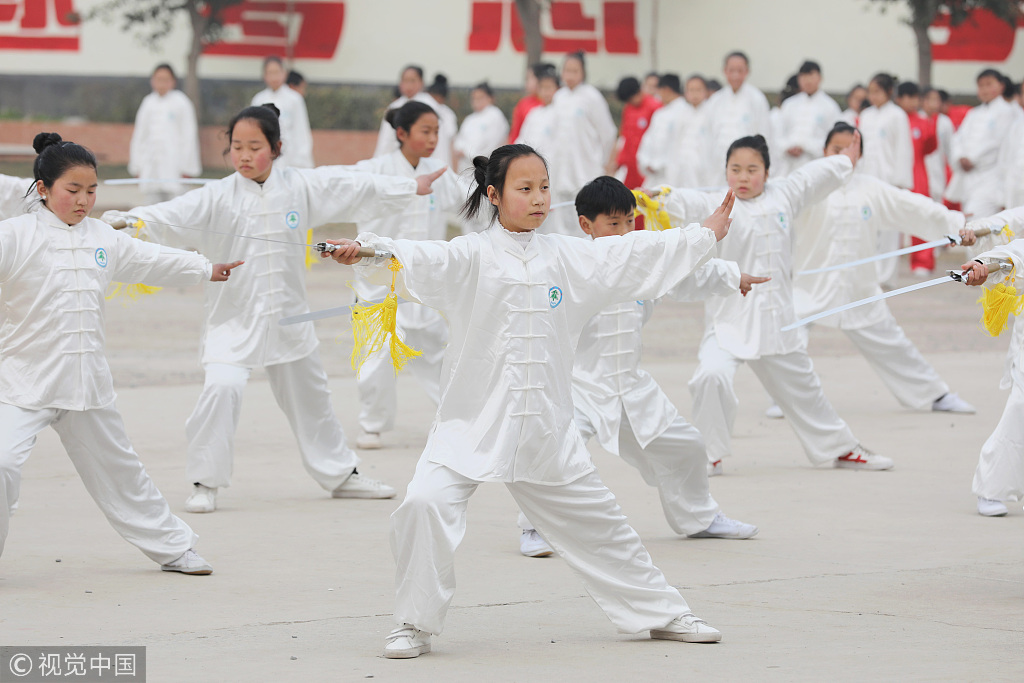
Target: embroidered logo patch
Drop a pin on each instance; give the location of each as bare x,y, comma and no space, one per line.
865,212
292,219
783,221
101,257
554,296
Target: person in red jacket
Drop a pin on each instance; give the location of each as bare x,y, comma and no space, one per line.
636,116
922,134
529,100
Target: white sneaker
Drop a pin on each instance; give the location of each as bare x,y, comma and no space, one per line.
203,499
861,458
723,527
406,642
991,508
358,486
532,544
715,469
951,403
688,629
189,563
774,412
368,441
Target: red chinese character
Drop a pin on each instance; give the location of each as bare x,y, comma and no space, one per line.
260,29
38,25
571,29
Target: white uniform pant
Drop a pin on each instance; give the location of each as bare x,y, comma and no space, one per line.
580,520
377,381
1000,472
300,388
910,378
675,463
791,382
99,448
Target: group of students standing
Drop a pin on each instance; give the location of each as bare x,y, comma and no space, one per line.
538,349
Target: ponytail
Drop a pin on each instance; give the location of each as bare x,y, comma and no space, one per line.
491,171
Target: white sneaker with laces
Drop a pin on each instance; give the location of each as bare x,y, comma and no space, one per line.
532,544
991,508
774,412
358,486
715,469
861,458
203,499
369,441
406,642
189,563
951,403
688,629
723,527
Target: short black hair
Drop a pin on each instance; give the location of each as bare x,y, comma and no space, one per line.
670,81
754,142
907,89
294,78
989,73
809,67
167,67
604,195
737,53
628,87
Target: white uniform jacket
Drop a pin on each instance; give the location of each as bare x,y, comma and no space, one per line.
13,198
515,316
296,136
165,141
480,134
805,121
584,137
888,149
668,154
53,278
606,376
844,227
731,115
759,241
980,138
241,314
539,130
935,164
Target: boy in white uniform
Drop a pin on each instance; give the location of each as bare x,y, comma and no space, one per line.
806,118
663,157
734,111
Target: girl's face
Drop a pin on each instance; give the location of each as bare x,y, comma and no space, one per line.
162,82
251,154
696,92
855,100
838,143
877,95
546,90
572,73
421,139
989,88
411,83
274,75
745,173
73,194
932,103
525,199
481,100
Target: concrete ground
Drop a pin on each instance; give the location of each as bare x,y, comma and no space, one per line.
854,576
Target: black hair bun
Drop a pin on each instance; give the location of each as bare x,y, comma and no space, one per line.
480,170
390,116
272,107
440,79
44,140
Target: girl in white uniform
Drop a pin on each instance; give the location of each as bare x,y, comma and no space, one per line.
55,266
999,476
416,126
165,139
584,137
264,200
296,136
663,156
481,132
748,329
516,302
844,228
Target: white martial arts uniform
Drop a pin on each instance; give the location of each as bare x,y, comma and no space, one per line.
584,137
539,130
241,330
516,312
732,115
844,228
980,191
448,127
850,116
296,136
1000,471
747,329
16,195
1012,162
53,372
937,162
804,122
420,327
164,145
889,156
621,404
480,134
671,150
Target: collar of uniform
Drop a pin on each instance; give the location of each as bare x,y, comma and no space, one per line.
50,218
256,188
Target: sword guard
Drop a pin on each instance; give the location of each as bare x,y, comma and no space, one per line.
322,247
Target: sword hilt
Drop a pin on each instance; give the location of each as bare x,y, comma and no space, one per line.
364,252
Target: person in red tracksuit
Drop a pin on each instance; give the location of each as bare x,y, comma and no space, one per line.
636,116
922,134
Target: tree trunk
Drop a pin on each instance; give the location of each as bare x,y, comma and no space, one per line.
529,14
924,50
198,23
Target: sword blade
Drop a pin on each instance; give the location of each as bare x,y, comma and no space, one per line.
871,299
329,312
945,241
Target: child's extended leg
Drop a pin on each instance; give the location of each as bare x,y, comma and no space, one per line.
714,399
1000,472
18,431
